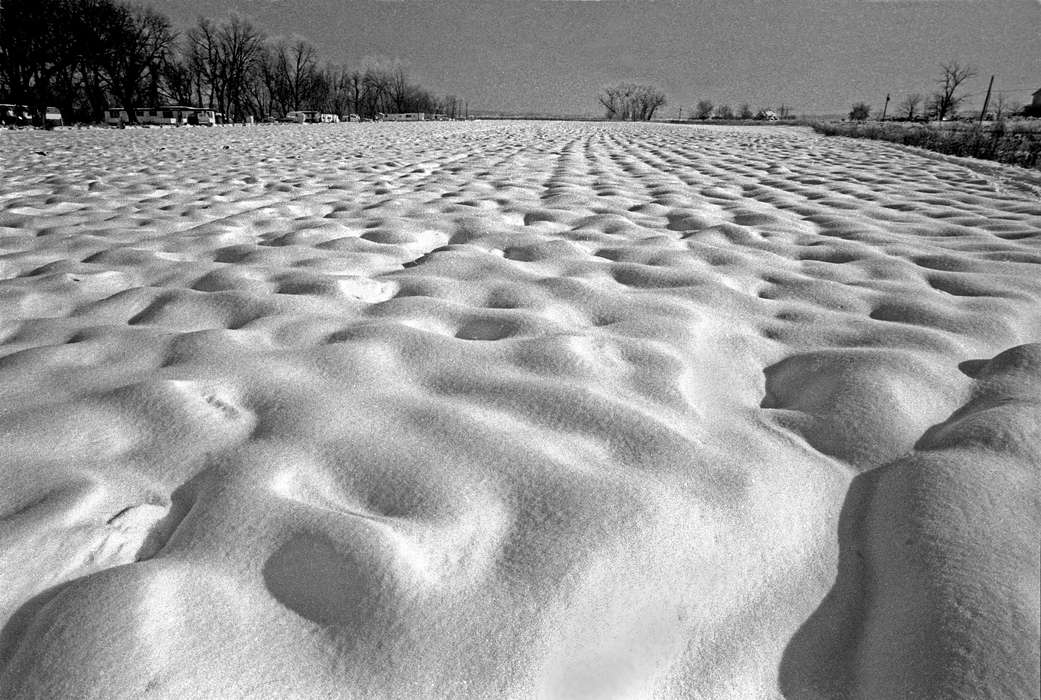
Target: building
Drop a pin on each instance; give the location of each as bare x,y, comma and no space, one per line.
405,117
170,115
310,116
22,115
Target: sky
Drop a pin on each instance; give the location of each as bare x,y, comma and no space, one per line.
553,56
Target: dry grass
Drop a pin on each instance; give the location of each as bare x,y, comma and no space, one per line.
1016,143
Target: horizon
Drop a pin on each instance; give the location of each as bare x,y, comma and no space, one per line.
552,56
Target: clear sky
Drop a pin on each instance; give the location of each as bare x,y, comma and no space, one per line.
818,56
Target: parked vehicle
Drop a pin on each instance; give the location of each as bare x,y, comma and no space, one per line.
15,115
52,118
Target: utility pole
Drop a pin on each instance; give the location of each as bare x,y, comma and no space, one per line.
885,107
986,101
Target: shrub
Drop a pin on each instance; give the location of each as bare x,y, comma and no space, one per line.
1013,144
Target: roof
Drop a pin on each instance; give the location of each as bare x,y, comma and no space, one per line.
181,107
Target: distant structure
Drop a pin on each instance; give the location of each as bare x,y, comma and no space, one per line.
311,116
1034,108
406,117
170,115
21,115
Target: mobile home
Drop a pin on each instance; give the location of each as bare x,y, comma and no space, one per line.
310,116
406,117
171,115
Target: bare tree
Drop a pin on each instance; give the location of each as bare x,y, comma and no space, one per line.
241,47
612,100
229,57
628,102
87,55
42,43
1004,107
384,86
338,100
703,110
650,100
909,105
946,102
136,44
724,112
179,79
746,112
355,87
295,72
204,60
450,106
398,87
374,91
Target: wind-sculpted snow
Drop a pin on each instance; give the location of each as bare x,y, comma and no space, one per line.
515,410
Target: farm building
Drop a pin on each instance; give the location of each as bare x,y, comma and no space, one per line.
406,117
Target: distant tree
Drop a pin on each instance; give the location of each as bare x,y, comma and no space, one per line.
204,59
628,102
377,73
1003,107
746,112
39,41
909,106
703,109
860,111
242,49
229,58
179,79
611,99
339,96
399,90
85,56
784,112
293,73
449,106
945,100
724,112
354,84
649,99
133,45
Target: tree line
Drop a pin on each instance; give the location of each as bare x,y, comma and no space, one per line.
943,103
85,56
705,109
